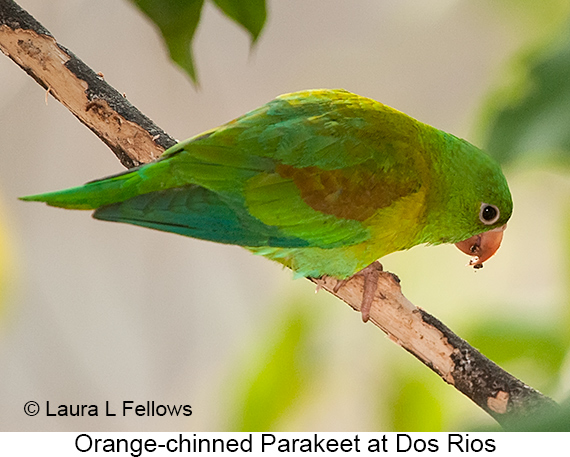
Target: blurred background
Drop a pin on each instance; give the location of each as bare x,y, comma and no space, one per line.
94,311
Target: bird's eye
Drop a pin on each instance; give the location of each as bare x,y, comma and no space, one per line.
489,214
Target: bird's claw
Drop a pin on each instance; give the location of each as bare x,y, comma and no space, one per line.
371,275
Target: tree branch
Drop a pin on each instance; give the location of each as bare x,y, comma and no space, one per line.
135,139
132,137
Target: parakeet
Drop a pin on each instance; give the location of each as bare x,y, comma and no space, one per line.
325,182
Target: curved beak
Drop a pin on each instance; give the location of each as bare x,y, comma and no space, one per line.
482,246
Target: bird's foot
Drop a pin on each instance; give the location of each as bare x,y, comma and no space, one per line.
320,282
371,275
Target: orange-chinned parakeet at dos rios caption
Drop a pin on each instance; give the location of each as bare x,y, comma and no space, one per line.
323,181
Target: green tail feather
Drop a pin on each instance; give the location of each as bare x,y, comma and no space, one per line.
94,194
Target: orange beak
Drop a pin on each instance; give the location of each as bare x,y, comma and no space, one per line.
482,246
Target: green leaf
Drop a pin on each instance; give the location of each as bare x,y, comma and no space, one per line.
250,14
549,419
273,377
414,406
531,118
528,349
177,21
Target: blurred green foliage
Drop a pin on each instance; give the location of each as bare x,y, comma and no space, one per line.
178,21
528,120
520,346
250,14
413,401
273,378
546,421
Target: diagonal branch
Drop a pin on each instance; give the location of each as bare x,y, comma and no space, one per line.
132,137
135,139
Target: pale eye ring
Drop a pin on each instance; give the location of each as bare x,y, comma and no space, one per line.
489,214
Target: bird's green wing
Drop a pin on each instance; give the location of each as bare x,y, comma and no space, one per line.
197,212
318,165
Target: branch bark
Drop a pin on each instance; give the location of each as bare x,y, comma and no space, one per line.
135,139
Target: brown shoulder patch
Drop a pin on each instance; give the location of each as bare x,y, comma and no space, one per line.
354,192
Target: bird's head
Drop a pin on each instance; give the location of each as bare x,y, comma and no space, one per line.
488,220
477,203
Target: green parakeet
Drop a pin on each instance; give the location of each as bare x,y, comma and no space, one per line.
323,181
